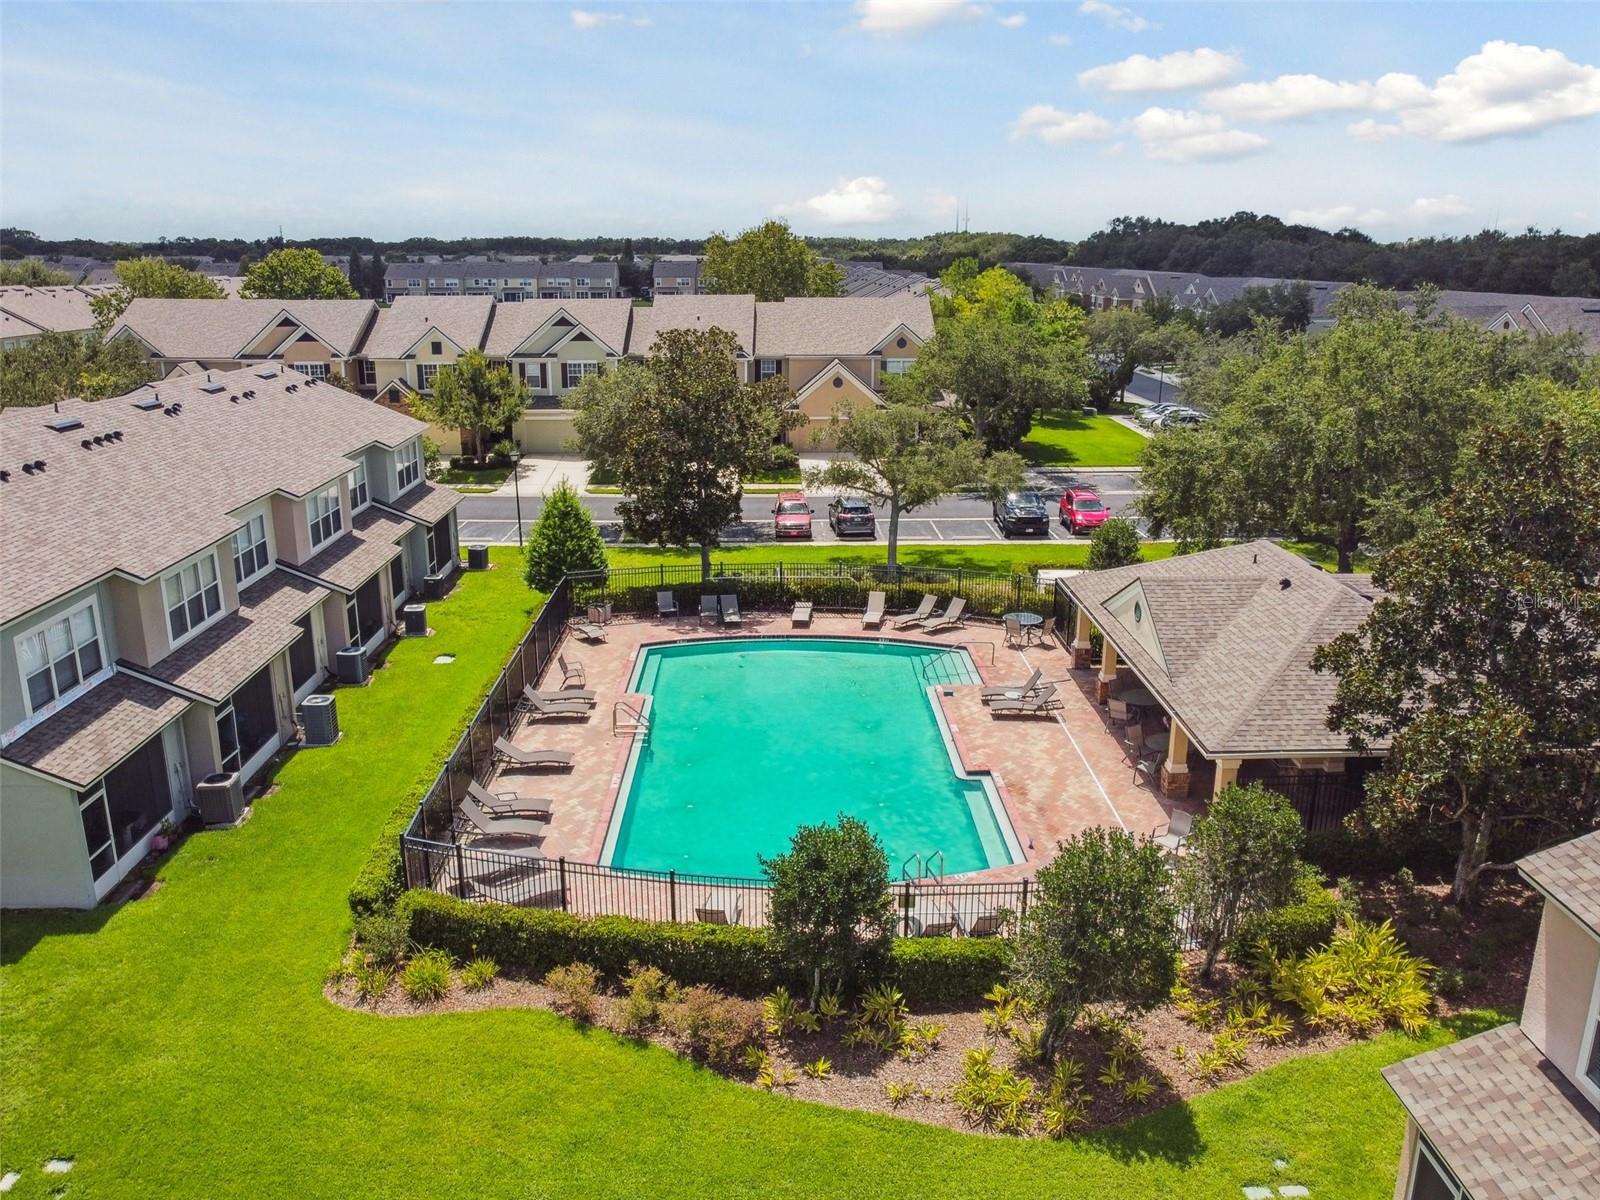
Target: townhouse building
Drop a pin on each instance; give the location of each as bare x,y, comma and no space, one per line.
318,338
552,346
413,338
675,276
181,566
506,281
28,313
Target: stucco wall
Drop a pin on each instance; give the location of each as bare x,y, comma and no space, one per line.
1560,987
43,860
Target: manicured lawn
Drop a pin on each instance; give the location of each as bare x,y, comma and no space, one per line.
488,478
1000,557
1069,440
179,1046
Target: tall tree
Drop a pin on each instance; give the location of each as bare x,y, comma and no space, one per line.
376,269
296,274
64,366
30,272
358,275
1286,306
908,454
474,396
1479,661
769,262
140,278
679,432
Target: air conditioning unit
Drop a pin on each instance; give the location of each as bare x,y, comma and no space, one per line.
416,619
351,663
319,717
433,585
220,798
477,558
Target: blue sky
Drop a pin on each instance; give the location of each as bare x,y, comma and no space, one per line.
139,120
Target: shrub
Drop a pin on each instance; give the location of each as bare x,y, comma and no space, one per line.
949,971
371,982
577,991
564,539
992,1096
383,936
503,450
382,877
1114,543
713,1026
1293,929
1362,980
782,458
479,974
648,988
427,976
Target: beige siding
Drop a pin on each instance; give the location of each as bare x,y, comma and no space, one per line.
140,618
1560,988
289,528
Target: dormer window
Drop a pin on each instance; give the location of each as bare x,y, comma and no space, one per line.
250,555
193,596
1589,1049
324,517
59,659
409,470
359,496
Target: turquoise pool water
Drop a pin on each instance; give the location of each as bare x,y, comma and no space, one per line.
751,738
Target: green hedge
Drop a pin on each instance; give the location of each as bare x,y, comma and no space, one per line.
383,876
732,957
1304,924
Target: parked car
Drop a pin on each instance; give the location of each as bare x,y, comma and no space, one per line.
1151,414
1175,417
852,514
1021,512
791,516
1082,509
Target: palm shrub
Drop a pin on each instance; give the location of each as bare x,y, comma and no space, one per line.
1362,980
563,540
427,976
1243,857
1102,929
829,907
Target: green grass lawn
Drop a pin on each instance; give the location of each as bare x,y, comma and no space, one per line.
487,478
1070,440
999,557
179,1046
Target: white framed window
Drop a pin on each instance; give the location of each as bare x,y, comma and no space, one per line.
573,373
366,373
316,370
359,496
61,658
414,282
250,554
95,814
766,368
1430,1178
897,366
409,466
425,374
1589,1049
194,597
323,515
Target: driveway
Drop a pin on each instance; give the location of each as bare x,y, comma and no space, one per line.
538,474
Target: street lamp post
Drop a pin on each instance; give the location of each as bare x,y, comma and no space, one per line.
516,486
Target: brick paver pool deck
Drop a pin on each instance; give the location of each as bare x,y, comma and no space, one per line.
1058,773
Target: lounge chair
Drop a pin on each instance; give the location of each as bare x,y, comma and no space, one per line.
730,610
474,819
1171,836
511,885
500,806
801,614
873,617
1040,701
943,922
1011,691
535,704
517,758
987,924
586,695
714,912
924,610
666,604
953,617
571,673
588,630
708,608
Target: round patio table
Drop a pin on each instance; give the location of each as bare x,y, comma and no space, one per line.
1029,622
1137,698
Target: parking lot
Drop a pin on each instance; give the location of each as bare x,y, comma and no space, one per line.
912,529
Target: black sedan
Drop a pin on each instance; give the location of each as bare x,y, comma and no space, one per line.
852,514
1022,512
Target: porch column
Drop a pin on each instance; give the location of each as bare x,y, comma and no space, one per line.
1108,669
1081,648
1227,775
1175,770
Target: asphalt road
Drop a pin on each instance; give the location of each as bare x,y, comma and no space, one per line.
959,518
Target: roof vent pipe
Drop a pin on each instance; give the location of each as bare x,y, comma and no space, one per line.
1283,584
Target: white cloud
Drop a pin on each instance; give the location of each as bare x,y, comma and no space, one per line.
860,201
1116,18
913,16
1175,135
1170,73
1049,124
1503,89
1060,39
1422,210
1013,20
585,19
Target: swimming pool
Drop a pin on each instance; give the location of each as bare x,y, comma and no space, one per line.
751,738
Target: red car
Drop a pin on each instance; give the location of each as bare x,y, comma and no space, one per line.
1082,509
792,516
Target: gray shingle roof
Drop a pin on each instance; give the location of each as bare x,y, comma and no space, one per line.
843,325
224,328
164,490
352,557
1237,644
736,314
467,269
514,324
424,503
221,657
462,319
1508,1124
59,309
1570,875
676,268
97,730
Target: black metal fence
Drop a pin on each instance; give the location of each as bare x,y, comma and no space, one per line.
1322,799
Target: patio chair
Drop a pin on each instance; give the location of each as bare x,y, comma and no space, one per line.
1046,633
475,820
1119,711
511,885
708,608
1033,704
500,806
1011,691
801,614
666,604
587,695
944,922
516,758
730,610
1175,832
953,617
989,924
536,705
1015,636
1133,741
924,610
588,630
873,617
714,912
1149,769
571,673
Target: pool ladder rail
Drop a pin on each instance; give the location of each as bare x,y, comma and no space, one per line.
918,868
630,719
938,668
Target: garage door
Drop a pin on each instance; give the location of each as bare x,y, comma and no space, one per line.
545,432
